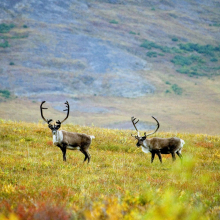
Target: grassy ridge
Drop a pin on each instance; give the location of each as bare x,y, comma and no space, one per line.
119,182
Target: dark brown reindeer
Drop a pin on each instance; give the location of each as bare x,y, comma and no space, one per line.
68,140
157,145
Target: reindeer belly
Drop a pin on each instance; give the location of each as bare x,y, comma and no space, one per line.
165,150
69,147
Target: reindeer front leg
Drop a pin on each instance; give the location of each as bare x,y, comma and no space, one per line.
159,155
152,156
63,149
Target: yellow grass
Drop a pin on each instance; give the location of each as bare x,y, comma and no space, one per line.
119,182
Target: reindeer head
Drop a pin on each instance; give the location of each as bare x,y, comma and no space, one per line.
55,127
140,140
143,138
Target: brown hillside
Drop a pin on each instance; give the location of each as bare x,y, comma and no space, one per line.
112,60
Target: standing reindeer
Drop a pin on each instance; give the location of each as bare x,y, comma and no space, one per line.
68,140
157,145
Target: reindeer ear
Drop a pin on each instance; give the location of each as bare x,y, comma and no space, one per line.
58,122
48,121
57,126
145,136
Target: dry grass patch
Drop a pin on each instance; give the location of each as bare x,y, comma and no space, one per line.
119,183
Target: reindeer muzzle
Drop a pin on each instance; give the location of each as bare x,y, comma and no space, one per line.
138,145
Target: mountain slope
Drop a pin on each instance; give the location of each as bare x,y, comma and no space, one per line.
112,60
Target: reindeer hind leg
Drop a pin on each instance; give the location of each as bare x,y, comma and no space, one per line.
87,155
84,154
179,154
173,156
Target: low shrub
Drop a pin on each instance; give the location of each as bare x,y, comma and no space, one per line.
151,54
113,22
175,39
214,59
5,44
202,49
5,93
177,90
181,60
5,28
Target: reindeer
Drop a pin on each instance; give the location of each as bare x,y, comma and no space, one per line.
68,140
157,145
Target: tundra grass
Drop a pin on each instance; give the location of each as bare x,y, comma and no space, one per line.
118,183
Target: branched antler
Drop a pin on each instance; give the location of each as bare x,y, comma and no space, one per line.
158,125
68,111
134,123
41,110
58,121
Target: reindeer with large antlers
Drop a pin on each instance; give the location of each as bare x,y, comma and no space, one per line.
68,140
157,145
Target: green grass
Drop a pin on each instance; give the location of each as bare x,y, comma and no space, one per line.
119,183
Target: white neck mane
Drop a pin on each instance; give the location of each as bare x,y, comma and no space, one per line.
145,147
58,137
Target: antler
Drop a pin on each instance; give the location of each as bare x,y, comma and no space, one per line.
68,111
41,110
134,123
58,122
158,125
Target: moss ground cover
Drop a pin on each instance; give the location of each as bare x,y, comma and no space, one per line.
119,183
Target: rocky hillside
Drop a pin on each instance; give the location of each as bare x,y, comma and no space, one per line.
102,55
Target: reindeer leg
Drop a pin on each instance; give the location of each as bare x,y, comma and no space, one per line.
85,151
63,149
152,156
179,154
159,155
173,156
86,155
